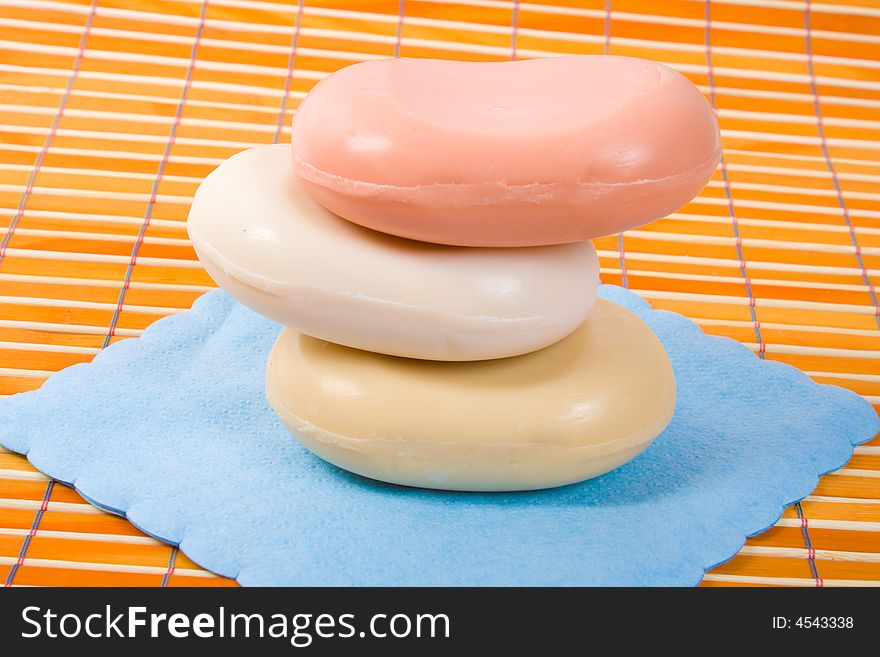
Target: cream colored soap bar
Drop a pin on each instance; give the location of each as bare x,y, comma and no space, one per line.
270,245
569,412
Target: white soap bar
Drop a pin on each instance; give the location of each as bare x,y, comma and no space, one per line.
572,411
264,240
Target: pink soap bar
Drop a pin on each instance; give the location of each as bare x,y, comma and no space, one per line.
520,153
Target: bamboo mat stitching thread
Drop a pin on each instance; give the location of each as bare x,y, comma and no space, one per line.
41,156
159,175
606,49
35,526
172,558
53,129
398,39
820,127
727,190
514,29
808,543
291,62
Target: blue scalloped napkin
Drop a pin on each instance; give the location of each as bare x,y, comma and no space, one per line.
173,431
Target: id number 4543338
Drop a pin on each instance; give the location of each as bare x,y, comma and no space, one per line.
813,622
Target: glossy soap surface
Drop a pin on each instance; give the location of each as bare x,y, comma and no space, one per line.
505,153
270,245
569,412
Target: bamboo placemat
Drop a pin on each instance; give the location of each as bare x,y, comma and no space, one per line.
112,112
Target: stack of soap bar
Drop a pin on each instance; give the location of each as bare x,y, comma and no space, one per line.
426,245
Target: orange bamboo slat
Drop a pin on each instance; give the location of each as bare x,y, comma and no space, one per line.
111,113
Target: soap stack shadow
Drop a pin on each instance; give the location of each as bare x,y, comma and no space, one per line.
425,241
